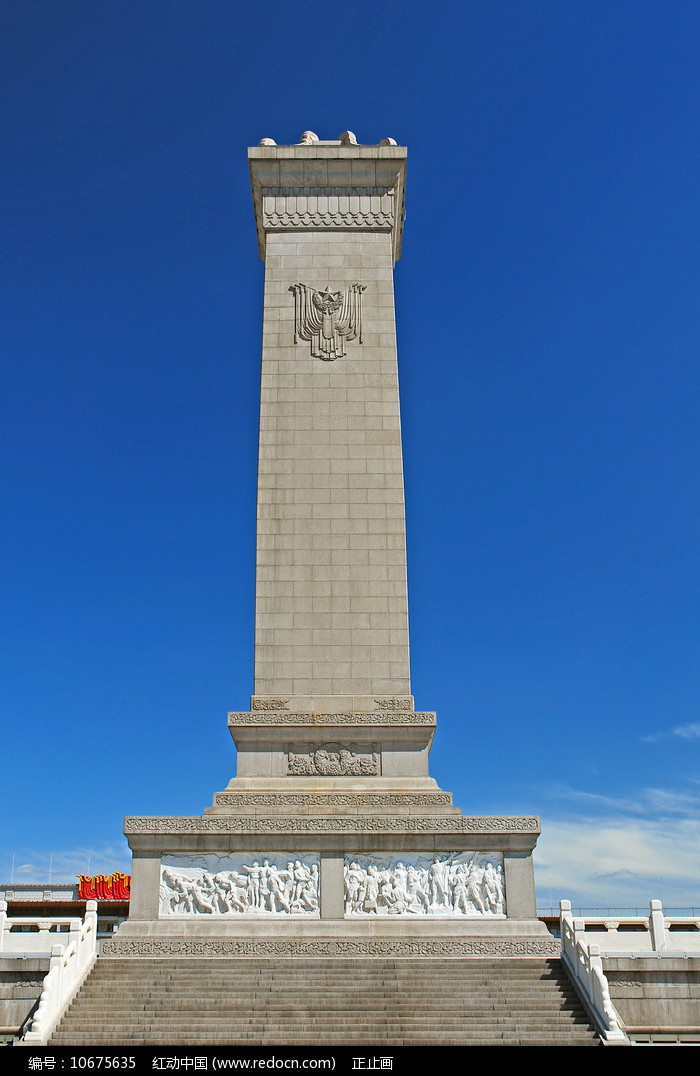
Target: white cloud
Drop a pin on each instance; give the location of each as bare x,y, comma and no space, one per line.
619,862
621,853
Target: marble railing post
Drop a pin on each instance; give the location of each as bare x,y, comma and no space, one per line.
657,927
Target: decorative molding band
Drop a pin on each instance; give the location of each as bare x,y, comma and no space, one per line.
394,704
333,760
326,192
269,704
345,947
328,207
213,824
375,717
339,799
329,220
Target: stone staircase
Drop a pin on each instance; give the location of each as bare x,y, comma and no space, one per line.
326,1002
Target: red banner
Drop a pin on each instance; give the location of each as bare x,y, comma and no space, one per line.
115,886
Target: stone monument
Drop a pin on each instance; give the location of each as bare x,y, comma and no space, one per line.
332,838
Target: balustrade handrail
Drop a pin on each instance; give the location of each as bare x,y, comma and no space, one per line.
68,967
656,933
584,963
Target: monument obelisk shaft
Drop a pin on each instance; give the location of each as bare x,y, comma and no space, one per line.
331,602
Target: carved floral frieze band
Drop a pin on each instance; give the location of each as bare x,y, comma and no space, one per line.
333,760
235,948
373,717
335,824
328,319
332,799
239,885
462,883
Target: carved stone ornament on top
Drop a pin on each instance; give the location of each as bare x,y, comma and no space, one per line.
239,885
459,884
328,319
333,760
347,138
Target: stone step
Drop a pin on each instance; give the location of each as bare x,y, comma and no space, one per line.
339,1002
128,968
415,998
291,1003
312,1039
322,986
417,995
239,1007
273,974
413,984
322,983
354,1020
245,1005
322,974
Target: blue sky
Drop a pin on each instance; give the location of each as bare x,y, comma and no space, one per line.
549,333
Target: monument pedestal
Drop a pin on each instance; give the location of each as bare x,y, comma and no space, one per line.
335,841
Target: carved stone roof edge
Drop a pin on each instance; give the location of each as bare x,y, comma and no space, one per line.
270,166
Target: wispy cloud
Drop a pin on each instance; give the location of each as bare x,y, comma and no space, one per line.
688,732
647,802
685,732
669,801
595,799
62,865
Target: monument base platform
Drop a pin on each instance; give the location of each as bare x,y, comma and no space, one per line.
391,882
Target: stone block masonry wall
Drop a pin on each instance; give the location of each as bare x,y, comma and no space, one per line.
331,597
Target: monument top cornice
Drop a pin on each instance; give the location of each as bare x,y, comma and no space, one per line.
338,169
